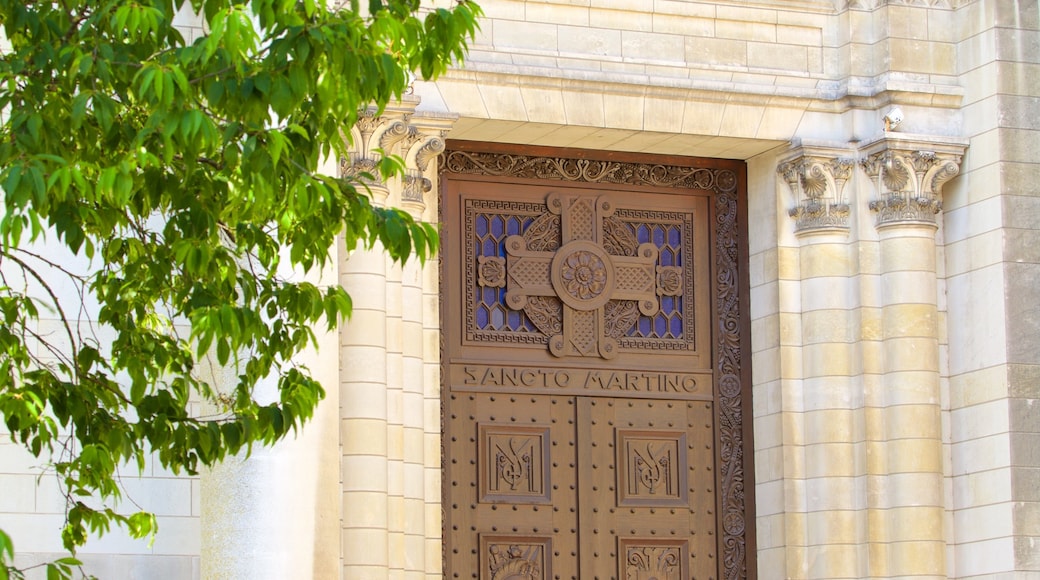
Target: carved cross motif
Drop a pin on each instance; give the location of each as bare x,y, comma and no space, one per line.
582,274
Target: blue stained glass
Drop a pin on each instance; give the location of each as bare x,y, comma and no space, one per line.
678,303
497,227
658,236
667,257
497,318
513,226
490,247
490,295
644,325
482,226
482,317
643,233
678,256
514,319
668,304
674,237
660,324
676,326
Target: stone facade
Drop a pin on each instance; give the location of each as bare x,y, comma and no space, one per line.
892,153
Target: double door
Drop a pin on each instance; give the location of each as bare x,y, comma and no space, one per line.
579,487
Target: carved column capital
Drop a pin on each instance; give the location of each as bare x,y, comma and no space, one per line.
417,138
817,178
908,173
425,141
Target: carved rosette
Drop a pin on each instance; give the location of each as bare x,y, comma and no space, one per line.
908,184
491,271
819,184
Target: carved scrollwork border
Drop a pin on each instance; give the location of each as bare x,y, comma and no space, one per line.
732,376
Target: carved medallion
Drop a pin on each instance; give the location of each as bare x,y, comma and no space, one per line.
583,275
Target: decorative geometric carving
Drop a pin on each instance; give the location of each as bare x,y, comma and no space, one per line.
493,318
819,184
653,559
581,274
515,557
651,467
546,312
909,184
512,464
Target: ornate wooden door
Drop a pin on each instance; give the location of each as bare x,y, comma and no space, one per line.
593,385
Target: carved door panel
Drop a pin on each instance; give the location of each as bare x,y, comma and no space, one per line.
646,501
547,487
511,483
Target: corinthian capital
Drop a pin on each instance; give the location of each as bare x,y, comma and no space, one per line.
908,174
817,178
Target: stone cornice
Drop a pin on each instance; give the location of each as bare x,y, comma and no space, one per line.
830,95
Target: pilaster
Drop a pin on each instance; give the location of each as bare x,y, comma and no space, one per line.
390,405
829,416
907,173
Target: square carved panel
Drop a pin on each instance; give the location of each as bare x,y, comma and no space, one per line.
512,463
651,467
515,557
653,559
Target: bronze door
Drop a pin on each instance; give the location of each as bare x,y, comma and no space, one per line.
570,487
592,374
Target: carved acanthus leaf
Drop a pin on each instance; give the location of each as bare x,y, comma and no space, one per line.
909,184
818,182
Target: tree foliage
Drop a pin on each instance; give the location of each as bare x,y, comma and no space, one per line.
185,172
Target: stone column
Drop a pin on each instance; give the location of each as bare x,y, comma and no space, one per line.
907,525
269,515
366,398
826,424
391,426
421,419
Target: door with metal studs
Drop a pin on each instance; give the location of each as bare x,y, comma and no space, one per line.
581,412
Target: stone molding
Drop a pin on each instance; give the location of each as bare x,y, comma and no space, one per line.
817,177
874,4
907,173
